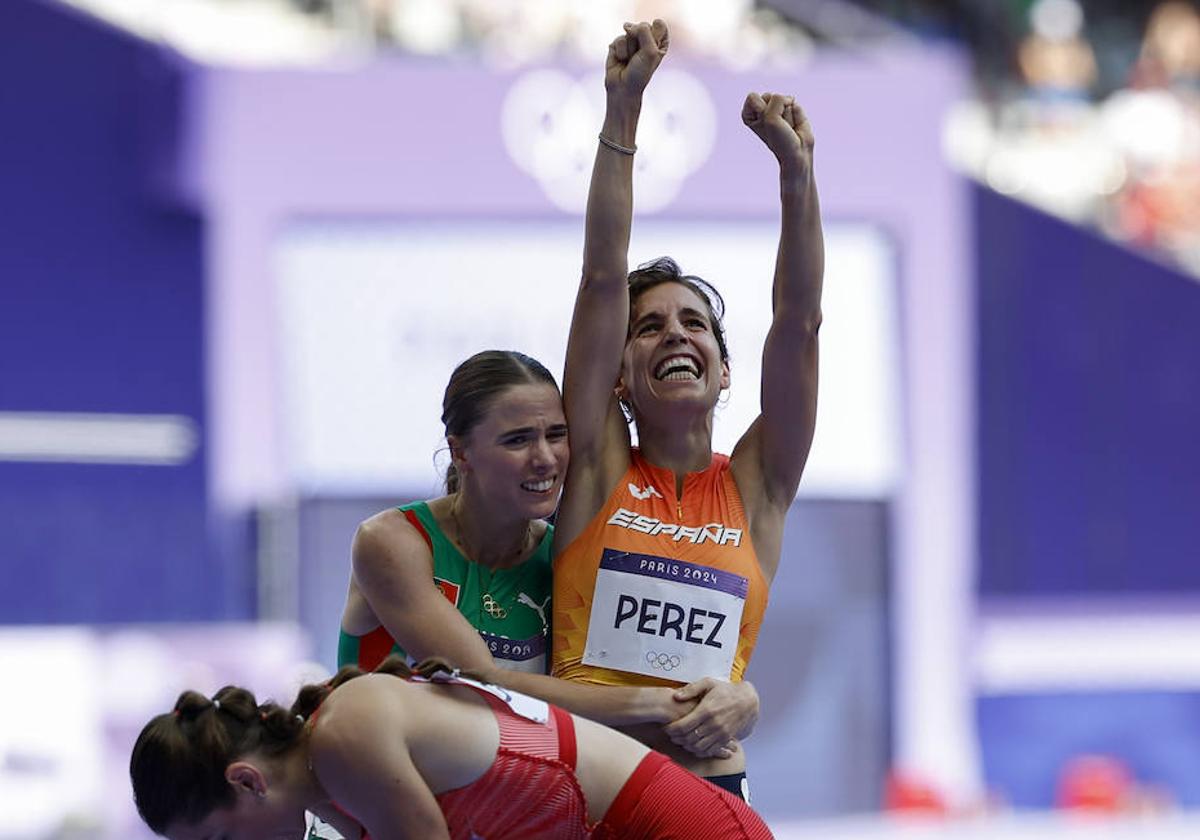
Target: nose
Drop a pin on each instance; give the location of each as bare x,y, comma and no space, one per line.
542,455
673,332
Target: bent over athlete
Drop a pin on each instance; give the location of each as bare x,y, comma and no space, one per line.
428,758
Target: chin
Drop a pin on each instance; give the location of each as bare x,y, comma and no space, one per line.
541,508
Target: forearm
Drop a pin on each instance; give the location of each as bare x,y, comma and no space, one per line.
610,705
800,261
610,196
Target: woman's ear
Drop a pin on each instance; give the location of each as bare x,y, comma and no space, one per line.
458,454
725,376
244,776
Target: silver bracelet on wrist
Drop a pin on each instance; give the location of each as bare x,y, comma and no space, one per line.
617,147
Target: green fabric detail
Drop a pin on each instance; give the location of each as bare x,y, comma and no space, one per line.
347,649
520,591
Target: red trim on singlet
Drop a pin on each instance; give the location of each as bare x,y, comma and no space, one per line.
374,647
620,812
411,516
565,725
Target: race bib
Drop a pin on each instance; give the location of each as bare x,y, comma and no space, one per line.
517,654
527,707
664,618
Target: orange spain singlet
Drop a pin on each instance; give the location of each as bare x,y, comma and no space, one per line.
657,589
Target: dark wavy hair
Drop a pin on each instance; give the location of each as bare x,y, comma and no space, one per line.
179,760
476,383
665,270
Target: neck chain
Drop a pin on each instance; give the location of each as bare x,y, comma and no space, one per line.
491,605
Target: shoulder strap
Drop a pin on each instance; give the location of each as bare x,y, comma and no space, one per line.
414,520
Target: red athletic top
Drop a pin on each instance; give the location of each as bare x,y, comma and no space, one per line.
530,790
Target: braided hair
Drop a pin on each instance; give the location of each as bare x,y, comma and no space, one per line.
179,760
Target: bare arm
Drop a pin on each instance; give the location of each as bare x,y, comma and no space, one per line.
599,436
728,714
610,705
770,457
701,717
374,778
393,569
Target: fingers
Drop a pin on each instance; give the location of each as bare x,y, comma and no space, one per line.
779,122
794,115
802,126
620,48
693,690
707,744
775,105
662,37
685,727
767,105
644,36
752,109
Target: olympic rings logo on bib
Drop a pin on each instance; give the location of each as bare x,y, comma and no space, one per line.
664,617
663,661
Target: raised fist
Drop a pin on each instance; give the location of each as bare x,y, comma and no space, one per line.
634,56
780,123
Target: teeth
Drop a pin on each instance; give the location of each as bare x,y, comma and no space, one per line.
677,368
538,486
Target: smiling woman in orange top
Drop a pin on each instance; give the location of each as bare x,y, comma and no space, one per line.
664,552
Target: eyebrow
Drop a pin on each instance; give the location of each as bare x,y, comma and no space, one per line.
526,430
655,314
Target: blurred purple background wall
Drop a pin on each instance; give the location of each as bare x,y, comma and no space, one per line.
1089,421
1089,486
102,305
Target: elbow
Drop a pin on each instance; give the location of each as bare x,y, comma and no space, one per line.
605,280
799,321
367,549
364,537
811,325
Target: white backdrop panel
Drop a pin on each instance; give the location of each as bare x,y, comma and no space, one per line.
376,315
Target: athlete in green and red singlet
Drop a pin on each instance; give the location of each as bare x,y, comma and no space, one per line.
509,607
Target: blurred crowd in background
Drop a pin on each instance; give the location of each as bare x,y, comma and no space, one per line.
1089,111
1096,118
